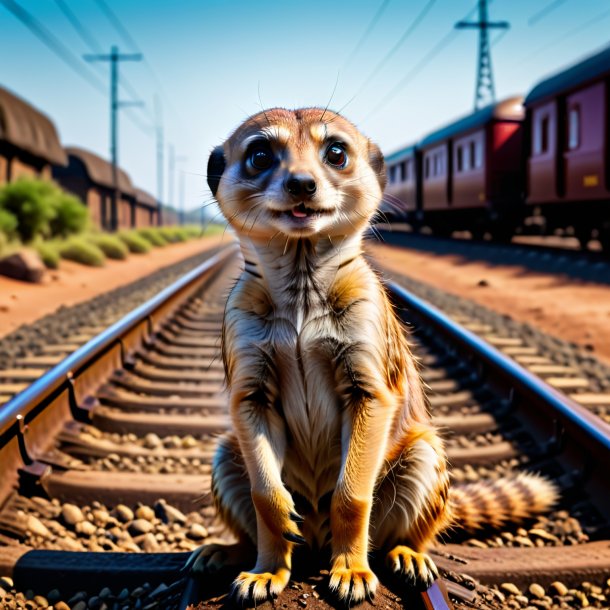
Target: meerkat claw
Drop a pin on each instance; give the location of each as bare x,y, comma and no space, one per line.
294,538
297,518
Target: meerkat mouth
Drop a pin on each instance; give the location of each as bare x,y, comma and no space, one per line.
300,212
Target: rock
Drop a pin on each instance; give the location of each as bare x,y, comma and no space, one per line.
152,441
61,606
149,543
536,590
124,513
41,601
511,588
145,512
37,527
139,526
168,514
86,528
24,265
197,532
483,283
72,514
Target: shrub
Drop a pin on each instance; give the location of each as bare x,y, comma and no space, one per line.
110,245
71,215
49,254
41,208
80,251
135,243
153,236
31,203
8,224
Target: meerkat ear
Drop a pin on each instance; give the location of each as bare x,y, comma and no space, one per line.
377,162
216,165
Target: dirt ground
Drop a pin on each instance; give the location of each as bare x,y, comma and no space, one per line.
571,309
22,303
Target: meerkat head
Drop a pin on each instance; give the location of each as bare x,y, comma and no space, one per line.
297,173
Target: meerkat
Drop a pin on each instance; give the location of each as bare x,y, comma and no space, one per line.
332,443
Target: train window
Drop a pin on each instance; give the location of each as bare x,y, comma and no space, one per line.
478,153
403,171
459,161
467,160
427,167
473,154
392,174
541,136
574,128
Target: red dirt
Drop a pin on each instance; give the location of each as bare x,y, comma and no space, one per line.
22,303
567,308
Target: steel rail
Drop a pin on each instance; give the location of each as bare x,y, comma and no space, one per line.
25,406
591,432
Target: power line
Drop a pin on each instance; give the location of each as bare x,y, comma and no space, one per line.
560,39
116,23
81,30
420,17
440,45
549,8
53,43
367,32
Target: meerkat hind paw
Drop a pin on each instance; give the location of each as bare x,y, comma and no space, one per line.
418,569
250,588
353,585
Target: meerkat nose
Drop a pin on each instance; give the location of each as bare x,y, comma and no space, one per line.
300,185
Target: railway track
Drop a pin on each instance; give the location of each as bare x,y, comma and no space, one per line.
106,464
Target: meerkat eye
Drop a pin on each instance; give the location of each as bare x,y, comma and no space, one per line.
260,157
336,155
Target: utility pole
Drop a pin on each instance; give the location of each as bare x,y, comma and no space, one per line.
170,175
485,92
181,216
114,58
159,134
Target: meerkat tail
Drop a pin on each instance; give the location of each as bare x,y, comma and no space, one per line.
494,503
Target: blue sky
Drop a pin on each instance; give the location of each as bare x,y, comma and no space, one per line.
214,62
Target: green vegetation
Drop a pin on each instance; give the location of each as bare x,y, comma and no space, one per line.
135,243
153,235
111,245
49,253
79,250
40,209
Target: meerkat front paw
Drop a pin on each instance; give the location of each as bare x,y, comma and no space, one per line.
353,584
417,568
251,588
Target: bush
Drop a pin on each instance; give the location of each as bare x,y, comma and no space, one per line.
8,224
31,203
110,245
49,254
71,215
80,251
153,236
42,209
135,243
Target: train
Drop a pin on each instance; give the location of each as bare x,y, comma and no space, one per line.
539,162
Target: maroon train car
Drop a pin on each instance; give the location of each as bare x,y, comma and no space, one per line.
402,192
568,172
471,172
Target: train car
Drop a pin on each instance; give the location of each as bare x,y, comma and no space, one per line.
402,191
568,168
472,172
29,143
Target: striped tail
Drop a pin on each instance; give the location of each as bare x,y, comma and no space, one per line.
494,503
